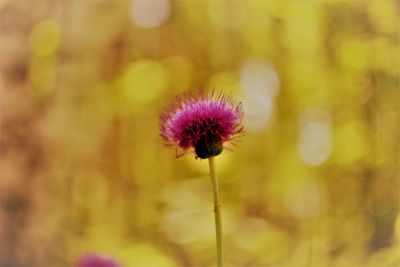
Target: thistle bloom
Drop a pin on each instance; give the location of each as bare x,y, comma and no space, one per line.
94,260
202,123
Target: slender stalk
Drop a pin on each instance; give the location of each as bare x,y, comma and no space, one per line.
217,211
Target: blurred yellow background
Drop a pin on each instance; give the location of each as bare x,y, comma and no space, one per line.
313,182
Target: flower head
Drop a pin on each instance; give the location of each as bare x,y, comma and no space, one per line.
95,260
202,123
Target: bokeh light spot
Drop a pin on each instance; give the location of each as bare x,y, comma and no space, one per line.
349,143
264,242
140,83
303,198
45,38
187,220
354,54
224,80
315,136
150,13
42,76
260,85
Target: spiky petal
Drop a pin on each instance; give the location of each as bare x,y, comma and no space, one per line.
202,123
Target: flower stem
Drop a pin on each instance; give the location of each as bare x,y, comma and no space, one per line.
217,211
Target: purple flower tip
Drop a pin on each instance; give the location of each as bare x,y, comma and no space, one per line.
94,260
202,123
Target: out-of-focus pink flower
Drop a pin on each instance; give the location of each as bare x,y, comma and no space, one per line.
95,260
202,123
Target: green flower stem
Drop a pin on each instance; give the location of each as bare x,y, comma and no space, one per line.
217,211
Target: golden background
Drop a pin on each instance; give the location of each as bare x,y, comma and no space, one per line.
313,182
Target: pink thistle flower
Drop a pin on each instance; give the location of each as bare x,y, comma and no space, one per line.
95,260
202,123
